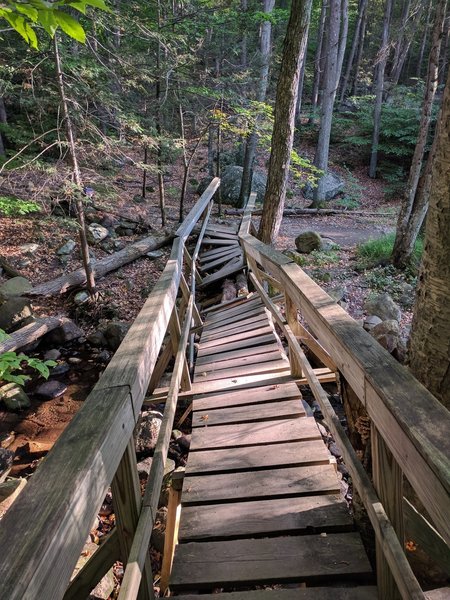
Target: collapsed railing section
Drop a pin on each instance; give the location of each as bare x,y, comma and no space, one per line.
42,535
409,427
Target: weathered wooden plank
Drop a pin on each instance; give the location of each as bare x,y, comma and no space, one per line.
231,228
234,460
225,326
230,304
229,331
243,354
208,255
254,434
239,382
259,395
243,414
249,343
233,320
236,337
197,210
226,313
314,593
269,483
220,234
220,260
274,366
311,558
304,514
233,266
252,359
220,242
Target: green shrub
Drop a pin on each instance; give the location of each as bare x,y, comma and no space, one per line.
11,362
352,192
15,207
379,251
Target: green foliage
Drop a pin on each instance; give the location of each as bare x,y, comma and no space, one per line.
379,251
395,178
352,192
11,362
15,207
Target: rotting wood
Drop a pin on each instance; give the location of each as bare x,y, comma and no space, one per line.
77,278
30,333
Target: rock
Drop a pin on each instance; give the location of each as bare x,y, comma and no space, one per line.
66,332
14,312
66,248
7,488
387,334
110,222
74,360
115,333
97,339
16,485
14,397
184,441
119,245
337,293
144,466
335,450
231,178
50,389
169,467
407,295
308,241
139,199
158,539
6,461
331,183
370,322
53,354
96,233
328,244
60,369
147,431
104,356
127,225
383,306
155,254
29,249
16,286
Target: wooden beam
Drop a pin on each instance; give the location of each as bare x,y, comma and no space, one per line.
30,333
197,210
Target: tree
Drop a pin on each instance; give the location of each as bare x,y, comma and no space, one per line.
336,39
429,346
319,59
415,202
284,117
357,41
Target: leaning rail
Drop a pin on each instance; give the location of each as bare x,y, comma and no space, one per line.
409,427
42,535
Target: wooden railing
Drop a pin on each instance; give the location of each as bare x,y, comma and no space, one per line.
42,535
409,430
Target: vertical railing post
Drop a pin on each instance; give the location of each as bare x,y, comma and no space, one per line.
292,319
388,482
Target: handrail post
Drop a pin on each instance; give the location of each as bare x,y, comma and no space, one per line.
292,319
388,482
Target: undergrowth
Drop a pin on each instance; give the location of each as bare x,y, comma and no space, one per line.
378,252
15,207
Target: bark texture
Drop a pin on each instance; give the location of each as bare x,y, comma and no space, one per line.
283,129
430,341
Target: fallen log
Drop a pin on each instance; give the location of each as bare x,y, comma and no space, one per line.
140,221
77,278
30,333
293,212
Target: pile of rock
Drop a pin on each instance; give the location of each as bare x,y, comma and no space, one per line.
383,323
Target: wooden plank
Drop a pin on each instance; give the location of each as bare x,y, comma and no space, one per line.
439,594
254,341
220,242
253,434
304,514
225,228
232,267
269,483
294,454
227,313
242,354
197,210
240,327
260,395
220,260
314,593
236,337
274,366
311,558
230,304
208,255
233,320
248,359
239,382
221,234
219,328
250,413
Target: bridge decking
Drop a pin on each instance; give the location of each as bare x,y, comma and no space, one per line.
261,502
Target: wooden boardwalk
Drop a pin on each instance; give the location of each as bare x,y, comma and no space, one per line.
261,503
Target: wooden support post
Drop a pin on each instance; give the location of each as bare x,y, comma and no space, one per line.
192,266
388,482
175,335
160,366
186,294
292,319
127,500
172,524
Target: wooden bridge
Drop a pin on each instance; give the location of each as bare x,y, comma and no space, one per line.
261,514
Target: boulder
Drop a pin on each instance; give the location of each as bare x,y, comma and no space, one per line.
66,248
96,233
16,286
81,297
331,184
370,321
230,184
308,241
407,294
155,254
50,389
6,461
148,431
29,249
387,334
53,354
14,312
337,293
14,397
383,306
97,338
66,332
115,333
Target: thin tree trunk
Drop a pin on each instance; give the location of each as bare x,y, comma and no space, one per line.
356,39
413,204
342,40
444,53
162,199
244,49
359,55
404,44
336,30
3,121
382,57
252,140
398,46
429,346
424,41
210,151
283,129
90,280
319,57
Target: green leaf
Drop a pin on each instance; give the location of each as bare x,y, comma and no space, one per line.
18,23
70,26
27,10
98,4
80,6
47,20
33,41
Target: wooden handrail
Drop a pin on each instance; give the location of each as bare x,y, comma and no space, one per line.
42,535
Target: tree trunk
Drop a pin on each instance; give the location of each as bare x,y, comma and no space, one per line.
319,57
444,53
359,55
283,129
244,49
335,43
424,41
399,43
301,79
252,140
162,199
356,39
404,44
382,57
429,347
342,40
413,205
29,333
90,281
3,121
